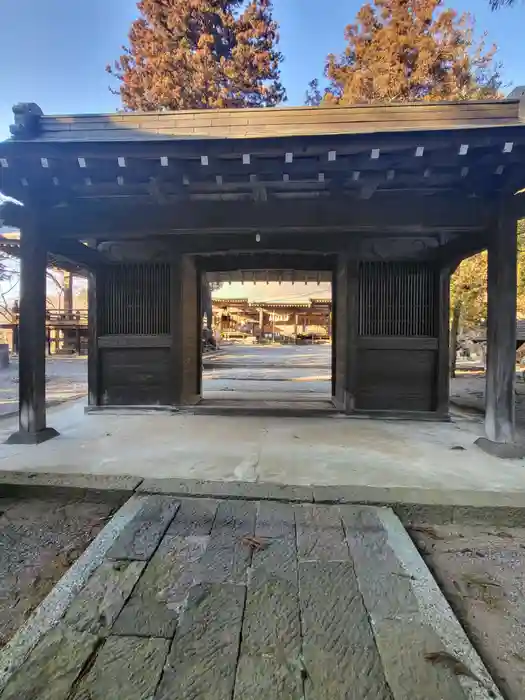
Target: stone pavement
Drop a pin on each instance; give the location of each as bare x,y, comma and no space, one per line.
259,373
198,599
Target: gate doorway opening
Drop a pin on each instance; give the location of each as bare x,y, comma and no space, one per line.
273,329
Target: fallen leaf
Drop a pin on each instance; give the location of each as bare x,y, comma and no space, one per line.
457,666
426,530
255,543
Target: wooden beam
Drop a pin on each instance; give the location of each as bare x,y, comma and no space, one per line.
148,178
516,205
266,261
281,142
386,212
66,172
76,253
32,335
461,247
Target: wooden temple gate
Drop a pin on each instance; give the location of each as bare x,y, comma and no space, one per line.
386,199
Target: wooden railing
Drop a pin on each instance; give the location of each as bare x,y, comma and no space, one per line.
76,317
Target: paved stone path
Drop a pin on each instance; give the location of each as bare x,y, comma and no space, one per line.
251,371
199,599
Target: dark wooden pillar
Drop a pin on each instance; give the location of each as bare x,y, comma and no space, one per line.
334,332
94,397
186,328
443,330
345,335
32,338
501,342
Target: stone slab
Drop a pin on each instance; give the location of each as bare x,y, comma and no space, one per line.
275,526
402,637
340,656
153,609
126,668
195,517
320,534
403,646
412,619
227,554
98,604
140,538
228,489
270,664
204,654
52,667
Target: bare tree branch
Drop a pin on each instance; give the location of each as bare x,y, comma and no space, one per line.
496,4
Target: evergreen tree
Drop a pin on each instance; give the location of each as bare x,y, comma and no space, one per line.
192,54
406,50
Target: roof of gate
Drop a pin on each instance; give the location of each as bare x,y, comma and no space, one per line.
31,124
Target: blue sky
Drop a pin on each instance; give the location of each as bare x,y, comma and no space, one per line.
54,52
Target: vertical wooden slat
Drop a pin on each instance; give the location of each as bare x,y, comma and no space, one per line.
136,299
397,299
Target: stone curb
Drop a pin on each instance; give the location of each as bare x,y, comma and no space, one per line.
382,551
21,483
410,504
48,613
240,490
333,494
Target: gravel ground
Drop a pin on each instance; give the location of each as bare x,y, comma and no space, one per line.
66,378
481,570
39,540
467,390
